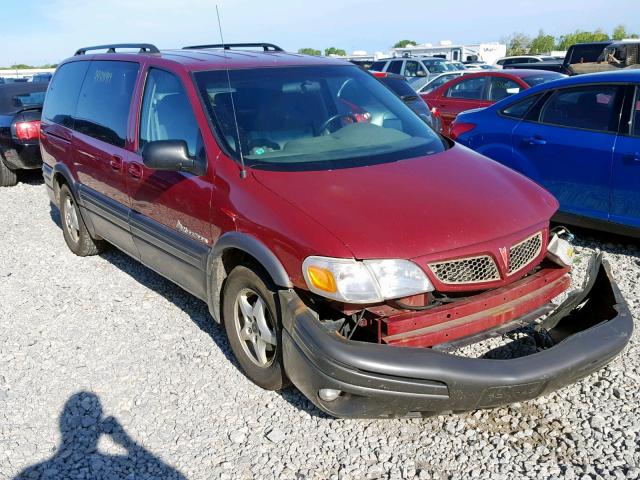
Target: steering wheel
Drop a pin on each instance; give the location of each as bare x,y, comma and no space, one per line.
325,126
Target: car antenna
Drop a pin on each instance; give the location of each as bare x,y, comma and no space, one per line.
243,171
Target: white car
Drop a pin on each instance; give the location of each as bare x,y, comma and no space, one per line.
477,66
501,62
414,68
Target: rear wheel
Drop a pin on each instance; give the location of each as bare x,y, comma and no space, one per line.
73,228
8,177
253,326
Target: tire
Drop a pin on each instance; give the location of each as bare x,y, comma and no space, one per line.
257,345
8,177
73,228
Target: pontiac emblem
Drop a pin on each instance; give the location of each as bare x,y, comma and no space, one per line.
505,256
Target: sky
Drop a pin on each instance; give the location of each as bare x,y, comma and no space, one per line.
47,31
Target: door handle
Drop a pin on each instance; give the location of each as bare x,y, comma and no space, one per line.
633,158
116,163
135,171
535,140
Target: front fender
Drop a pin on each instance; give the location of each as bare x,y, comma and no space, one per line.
245,242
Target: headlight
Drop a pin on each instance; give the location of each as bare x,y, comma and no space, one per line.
370,281
560,251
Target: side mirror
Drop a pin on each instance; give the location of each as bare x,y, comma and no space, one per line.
172,155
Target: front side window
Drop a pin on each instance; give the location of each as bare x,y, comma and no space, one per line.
413,69
520,109
591,107
439,67
635,114
395,66
468,89
312,118
502,87
166,111
105,101
60,102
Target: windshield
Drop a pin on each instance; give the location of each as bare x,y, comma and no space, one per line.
313,117
537,79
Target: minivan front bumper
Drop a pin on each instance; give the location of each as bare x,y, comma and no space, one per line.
589,329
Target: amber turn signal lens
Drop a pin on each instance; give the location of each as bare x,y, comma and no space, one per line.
322,279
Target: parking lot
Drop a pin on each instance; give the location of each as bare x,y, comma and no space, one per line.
83,339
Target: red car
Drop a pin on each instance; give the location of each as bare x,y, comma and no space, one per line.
477,90
344,244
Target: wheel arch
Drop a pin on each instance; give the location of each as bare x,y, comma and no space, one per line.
237,248
62,175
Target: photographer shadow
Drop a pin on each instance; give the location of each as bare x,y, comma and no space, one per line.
81,426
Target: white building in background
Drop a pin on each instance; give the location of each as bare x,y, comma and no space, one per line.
24,73
479,52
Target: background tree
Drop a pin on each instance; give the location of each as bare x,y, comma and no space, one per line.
580,36
310,51
334,51
517,44
404,43
620,33
542,43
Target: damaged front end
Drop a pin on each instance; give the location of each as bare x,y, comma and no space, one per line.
393,374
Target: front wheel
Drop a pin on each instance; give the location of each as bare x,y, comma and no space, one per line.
253,327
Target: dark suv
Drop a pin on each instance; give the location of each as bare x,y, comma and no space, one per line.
343,243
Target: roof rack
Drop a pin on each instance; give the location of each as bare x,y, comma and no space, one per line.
144,48
267,47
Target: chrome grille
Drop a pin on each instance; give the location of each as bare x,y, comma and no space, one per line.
523,253
466,270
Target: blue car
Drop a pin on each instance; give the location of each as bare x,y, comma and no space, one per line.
579,137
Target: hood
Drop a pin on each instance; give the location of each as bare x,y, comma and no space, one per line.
416,207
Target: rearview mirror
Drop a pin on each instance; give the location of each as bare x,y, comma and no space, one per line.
172,155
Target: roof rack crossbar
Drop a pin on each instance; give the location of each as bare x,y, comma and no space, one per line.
144,48
267,47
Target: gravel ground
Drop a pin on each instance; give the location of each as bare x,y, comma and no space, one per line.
108,370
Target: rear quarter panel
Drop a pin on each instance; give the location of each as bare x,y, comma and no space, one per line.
491,137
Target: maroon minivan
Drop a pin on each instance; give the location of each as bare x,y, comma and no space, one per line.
346,247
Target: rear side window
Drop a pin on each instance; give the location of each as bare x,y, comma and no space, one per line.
399,86
539,79
377,66
166,111
502,88
590,107
520,109
62,97
468,89
395,67
105,100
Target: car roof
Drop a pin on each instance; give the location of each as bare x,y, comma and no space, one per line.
10,90
218,59
516,72
622,75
